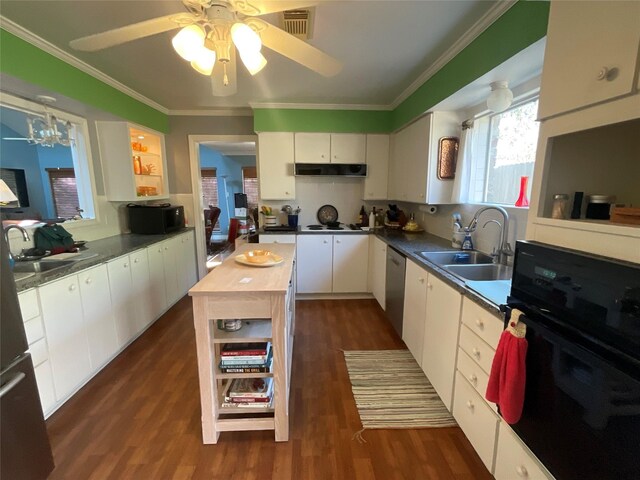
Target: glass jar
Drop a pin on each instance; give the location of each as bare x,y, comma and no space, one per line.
560,203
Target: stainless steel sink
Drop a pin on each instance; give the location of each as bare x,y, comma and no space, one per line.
457,257
485,272
40,266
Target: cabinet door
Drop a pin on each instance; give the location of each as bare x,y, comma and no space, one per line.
98,317
443,124
120,284
275,166
375,184
314,263
277,238
157,289
46,390
169,259
141,290
350,263
189,268
66,334
378,269
313,147
415,159
397,166
441,337
348,147
514,460
415,305
591,54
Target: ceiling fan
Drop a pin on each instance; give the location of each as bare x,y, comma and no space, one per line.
210,29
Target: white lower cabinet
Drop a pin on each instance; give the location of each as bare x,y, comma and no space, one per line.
415,309
350,263
284,238
141,291
157,289
46,390
378,269
441,337
97,314
477,420
66,334
332,263
314,263
514,460
122,303
187,272
170,262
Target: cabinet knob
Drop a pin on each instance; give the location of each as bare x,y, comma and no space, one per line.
476,353
322,156
429,286
88,281
521,470
135,260
287,193
473,378
470,405
159,250
72,287
421,280
604,73
275,241
479,323
337,241
125,265
166,248
324,241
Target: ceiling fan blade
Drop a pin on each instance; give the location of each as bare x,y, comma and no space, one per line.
217,77
131,32
254,8
291,47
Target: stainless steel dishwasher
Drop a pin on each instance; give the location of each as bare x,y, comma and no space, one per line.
394,305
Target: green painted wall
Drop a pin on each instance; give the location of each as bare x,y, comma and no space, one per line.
523,24
303,120
27,62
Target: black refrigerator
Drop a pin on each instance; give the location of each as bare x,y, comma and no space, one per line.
25,452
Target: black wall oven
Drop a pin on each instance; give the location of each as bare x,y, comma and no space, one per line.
581,413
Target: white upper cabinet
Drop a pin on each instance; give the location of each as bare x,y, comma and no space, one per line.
348,148
591,54
313,147
413,169
330,147
134,162
275,166
377,158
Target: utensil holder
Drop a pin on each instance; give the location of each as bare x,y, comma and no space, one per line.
293,220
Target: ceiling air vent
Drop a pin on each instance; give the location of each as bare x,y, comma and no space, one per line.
298,23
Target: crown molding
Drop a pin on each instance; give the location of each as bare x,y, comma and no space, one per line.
499,9
39,42
317,106
214,112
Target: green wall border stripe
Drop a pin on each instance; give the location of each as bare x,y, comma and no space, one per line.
520,26
308,120
31,64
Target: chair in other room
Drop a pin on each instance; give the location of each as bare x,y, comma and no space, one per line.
212,216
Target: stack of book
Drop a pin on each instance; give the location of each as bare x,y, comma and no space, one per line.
248,393
246,357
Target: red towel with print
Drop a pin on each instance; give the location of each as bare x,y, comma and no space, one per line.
508,371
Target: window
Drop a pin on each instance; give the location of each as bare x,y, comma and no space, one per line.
64,192
507,143
250,185
210,190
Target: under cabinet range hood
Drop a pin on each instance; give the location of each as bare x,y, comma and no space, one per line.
331,169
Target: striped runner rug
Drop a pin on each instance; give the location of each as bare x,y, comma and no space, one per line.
392,391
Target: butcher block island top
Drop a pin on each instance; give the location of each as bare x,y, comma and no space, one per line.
263,298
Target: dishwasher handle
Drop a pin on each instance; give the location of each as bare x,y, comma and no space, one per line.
396,262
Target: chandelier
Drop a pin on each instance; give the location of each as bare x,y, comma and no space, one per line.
47,130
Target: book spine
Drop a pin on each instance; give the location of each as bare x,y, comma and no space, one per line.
248,399
264,369
258,362
243,353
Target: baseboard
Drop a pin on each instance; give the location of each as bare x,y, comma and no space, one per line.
333,296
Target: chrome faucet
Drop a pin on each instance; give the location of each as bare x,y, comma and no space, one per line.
25,237
503,250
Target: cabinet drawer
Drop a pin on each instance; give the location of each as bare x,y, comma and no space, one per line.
487,326
29,304
39,352
474,375
34,330
476,419
476,348
277,239
514,460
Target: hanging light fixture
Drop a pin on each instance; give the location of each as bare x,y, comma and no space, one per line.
6,194
500,97
189,41
47,130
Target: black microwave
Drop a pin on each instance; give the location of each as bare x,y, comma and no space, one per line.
155,219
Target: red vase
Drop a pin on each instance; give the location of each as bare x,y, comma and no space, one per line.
523,201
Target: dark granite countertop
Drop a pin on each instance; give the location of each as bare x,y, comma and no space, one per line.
105,248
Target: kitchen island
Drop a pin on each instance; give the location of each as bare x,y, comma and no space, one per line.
264,298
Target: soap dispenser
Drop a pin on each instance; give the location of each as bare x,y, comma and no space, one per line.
467,243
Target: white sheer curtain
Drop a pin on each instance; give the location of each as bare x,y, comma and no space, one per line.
462,181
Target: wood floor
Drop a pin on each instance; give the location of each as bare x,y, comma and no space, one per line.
140,417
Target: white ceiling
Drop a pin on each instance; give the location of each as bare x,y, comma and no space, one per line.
385,46
232,149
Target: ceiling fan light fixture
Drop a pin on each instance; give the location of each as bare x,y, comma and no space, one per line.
254,61
204,61
188,42
245,38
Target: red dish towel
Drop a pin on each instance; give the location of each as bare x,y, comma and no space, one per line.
508,371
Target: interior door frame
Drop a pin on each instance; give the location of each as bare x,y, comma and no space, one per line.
196,188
